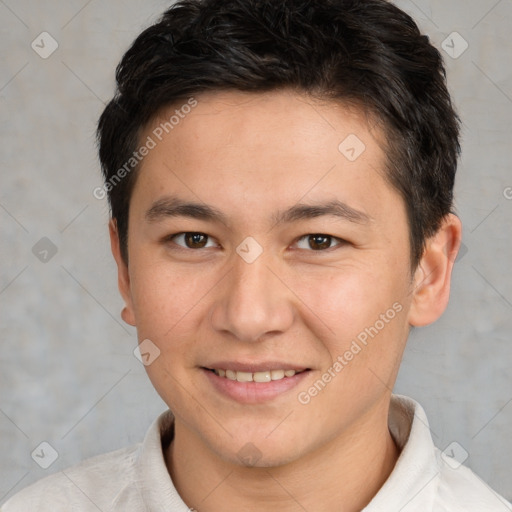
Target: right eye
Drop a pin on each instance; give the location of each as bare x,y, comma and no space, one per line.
190,240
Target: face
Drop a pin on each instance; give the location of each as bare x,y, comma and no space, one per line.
259,247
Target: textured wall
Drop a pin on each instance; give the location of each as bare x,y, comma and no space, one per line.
67,372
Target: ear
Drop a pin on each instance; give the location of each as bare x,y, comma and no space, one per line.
431,286
123,275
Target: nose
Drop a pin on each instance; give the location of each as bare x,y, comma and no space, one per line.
253,302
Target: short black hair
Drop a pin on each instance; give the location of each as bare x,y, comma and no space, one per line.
363,52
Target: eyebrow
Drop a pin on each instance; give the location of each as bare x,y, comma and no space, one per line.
334,208
171,206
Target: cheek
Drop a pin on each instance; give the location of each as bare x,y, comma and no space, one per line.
362,345
168,310
167,300
362,303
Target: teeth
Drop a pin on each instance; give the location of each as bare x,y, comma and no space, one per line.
244,376
265,376
262,376
278,374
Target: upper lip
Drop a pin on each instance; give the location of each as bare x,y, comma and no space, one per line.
255,366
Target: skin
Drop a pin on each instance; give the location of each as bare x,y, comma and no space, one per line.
250,156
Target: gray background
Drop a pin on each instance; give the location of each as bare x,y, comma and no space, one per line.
67,372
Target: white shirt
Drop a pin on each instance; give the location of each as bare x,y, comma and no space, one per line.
136,479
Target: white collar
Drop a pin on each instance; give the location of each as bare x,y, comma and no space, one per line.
413,482
411,486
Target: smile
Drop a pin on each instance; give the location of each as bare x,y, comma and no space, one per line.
264,376
254,387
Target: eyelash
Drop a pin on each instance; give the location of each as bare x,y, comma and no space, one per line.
341,242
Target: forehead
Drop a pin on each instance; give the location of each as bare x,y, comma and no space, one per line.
265,149
281,119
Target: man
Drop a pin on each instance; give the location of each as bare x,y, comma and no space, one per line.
280,177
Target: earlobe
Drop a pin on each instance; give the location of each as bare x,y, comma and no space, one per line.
127,316
431,286
123,275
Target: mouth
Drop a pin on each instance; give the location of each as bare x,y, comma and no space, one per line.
252,387
261,376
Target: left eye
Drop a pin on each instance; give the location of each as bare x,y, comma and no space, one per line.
318,242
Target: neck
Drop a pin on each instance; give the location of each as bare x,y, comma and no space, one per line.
341,476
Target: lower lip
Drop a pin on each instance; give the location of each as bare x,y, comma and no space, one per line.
253,392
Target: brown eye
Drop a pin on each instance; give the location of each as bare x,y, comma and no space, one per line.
195,240
317,242
191,240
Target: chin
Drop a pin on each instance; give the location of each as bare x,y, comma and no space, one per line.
251,457
259,451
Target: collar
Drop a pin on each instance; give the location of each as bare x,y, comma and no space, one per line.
411,487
